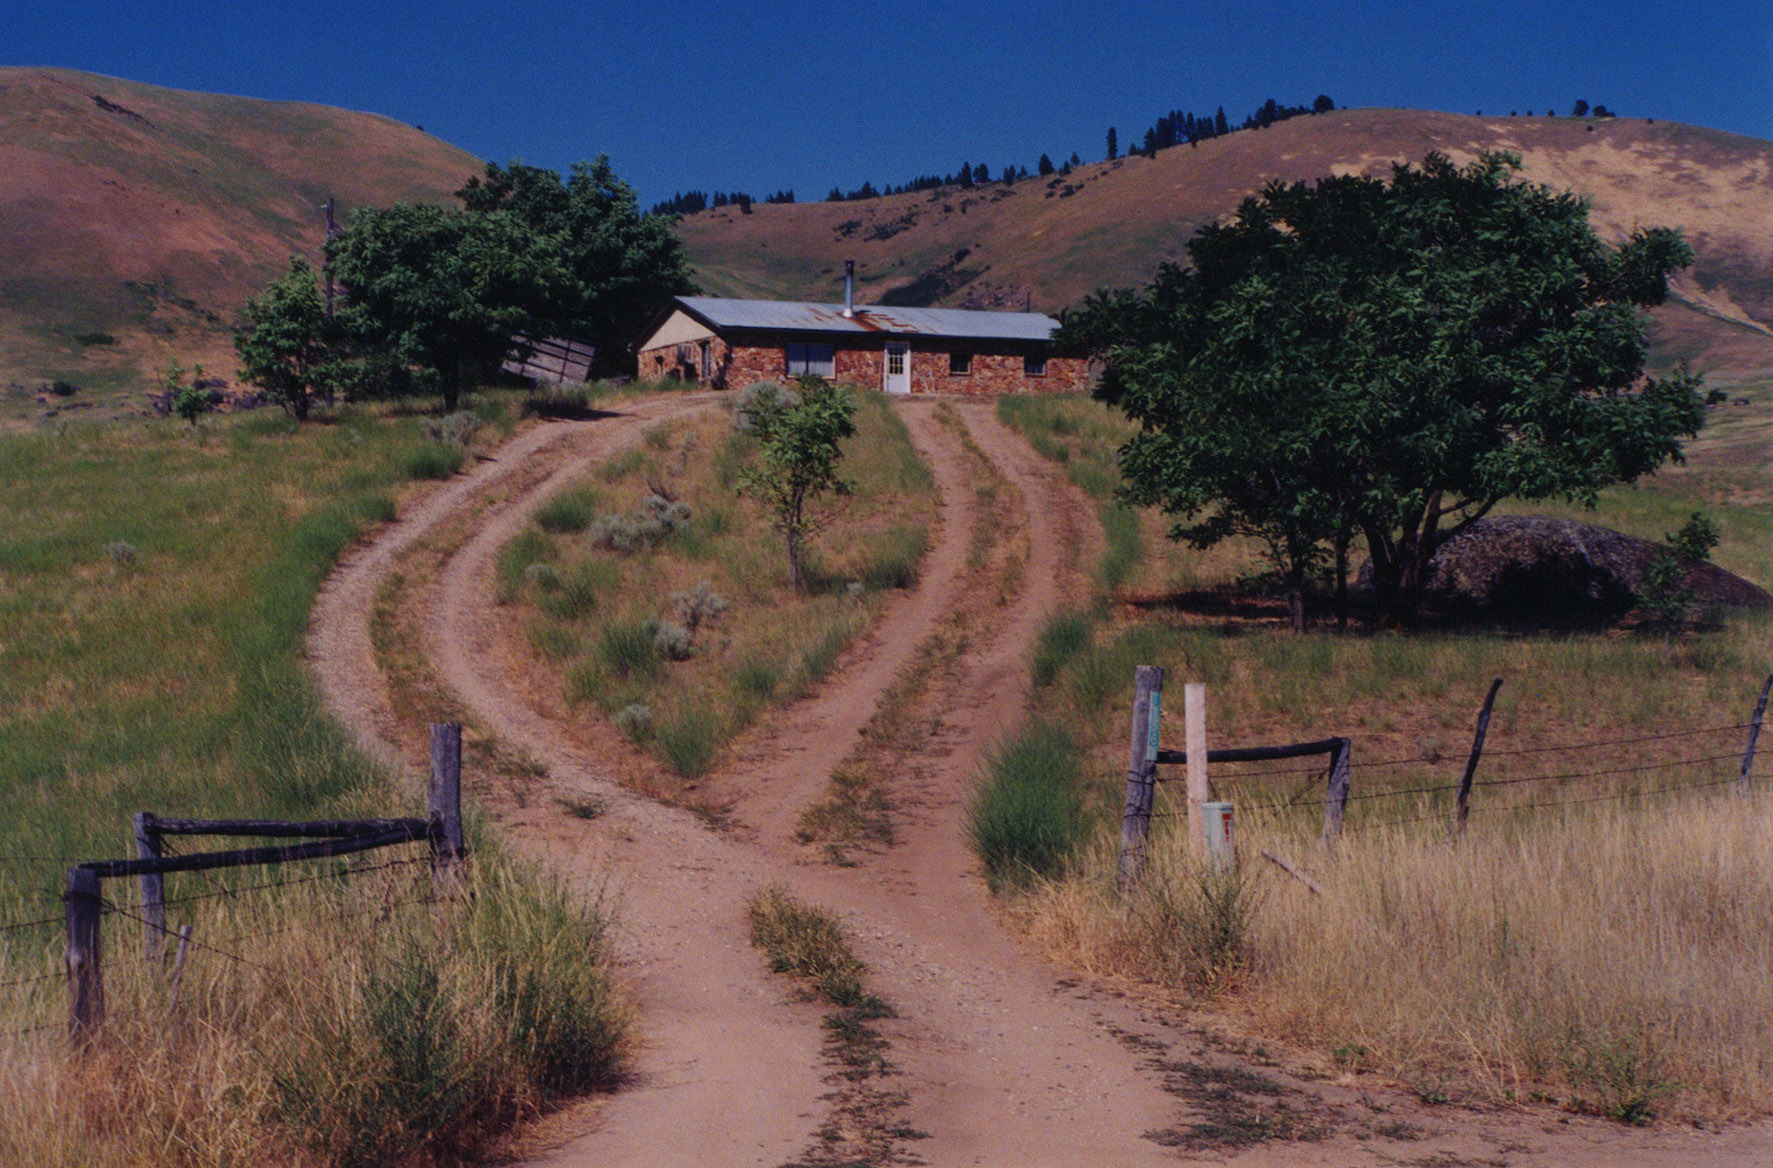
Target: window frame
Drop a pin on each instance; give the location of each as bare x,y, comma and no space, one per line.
1029,363
806,359
960,362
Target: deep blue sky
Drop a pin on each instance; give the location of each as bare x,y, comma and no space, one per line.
801,94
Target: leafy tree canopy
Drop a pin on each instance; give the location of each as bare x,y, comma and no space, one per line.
1389,359
621,266
285,348
444,291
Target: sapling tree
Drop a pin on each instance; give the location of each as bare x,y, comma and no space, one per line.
1665,597
187,399
285,347
800,438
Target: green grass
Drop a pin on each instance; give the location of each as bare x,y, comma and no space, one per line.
569,511
690,740
174,682
1063,638
707,675
173,679
435,460
1028,815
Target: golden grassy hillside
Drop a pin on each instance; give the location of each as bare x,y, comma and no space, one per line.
1048,242
148,215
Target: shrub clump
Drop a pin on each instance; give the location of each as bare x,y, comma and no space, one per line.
803,941
569,511
630,648
457,429
657,520
543,577
674,642
635,721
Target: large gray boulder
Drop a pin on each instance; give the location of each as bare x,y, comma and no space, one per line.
1534,568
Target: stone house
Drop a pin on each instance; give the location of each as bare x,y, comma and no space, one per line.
729,344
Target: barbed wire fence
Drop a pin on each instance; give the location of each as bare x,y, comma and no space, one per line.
1635,772
253,905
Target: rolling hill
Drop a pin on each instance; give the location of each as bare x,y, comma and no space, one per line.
135,220
1046,242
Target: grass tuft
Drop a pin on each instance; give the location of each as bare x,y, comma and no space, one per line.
570,511
435,460
1028,815
803,941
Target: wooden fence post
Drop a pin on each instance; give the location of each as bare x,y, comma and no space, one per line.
178,967
1194,721
1336,795
1477,750
1135,823
86,978
1754,734
147,847
445,798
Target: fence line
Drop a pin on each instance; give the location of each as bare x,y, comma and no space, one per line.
1143,777
85,907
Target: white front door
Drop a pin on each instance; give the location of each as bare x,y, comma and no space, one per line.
898,367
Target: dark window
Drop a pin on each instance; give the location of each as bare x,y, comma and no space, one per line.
1034,365
810,360
960,364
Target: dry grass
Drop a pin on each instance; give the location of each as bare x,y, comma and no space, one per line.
347,1021
1609,959
1595,936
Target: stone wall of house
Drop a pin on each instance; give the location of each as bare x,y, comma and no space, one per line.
737,366
683,361
995,374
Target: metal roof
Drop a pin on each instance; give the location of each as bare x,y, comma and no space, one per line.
800,316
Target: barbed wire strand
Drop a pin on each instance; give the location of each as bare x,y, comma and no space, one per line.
196,944
1649,766
236,890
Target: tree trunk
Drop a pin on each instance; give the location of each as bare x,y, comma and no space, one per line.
1342,538
450,376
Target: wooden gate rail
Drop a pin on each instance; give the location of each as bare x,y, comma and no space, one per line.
442,828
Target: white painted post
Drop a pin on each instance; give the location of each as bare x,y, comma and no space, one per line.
1216,827
1194,719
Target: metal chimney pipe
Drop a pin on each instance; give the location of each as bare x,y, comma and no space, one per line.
849,288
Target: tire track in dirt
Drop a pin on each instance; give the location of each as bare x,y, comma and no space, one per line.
1004,1062
729,1067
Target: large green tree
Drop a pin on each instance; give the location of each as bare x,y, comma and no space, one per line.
285,347
621,266
1387,359
443,291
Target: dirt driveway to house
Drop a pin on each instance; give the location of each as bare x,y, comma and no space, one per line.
996,1057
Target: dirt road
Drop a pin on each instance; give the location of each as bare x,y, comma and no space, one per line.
1001,1060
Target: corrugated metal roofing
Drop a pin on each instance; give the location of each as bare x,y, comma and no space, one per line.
800,316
